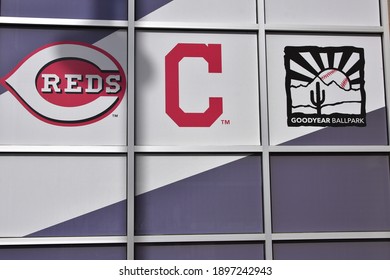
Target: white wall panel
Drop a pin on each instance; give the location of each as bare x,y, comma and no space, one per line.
319,12
236,84
37,192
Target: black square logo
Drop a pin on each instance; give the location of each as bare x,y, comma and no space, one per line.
325,86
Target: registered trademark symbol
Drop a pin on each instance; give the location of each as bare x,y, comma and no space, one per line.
225,122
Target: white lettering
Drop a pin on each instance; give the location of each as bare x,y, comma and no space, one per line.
95,83
94,80
72,84
310,120
50,83
113,85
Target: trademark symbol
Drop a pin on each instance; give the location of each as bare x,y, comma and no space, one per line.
225,122
115,115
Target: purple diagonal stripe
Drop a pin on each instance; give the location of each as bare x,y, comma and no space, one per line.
64,252
110,220
375,133
74,9
145,7
226,199
16,44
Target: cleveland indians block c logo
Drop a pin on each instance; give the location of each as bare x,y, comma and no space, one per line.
212,54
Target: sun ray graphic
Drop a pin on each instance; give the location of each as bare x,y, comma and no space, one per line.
342,67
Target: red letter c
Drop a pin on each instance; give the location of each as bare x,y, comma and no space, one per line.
212,54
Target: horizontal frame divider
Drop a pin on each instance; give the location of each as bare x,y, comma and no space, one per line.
197,26
64,22
23,241
185,149
64,149
330,236
199,238
259,149
324,28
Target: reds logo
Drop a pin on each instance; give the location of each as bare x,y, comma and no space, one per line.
212,54
68,83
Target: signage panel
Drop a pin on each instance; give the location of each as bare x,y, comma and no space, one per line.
196,89
326,90
65,88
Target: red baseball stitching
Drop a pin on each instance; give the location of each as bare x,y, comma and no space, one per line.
327,75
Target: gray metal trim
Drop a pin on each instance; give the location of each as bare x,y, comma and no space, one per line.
64,149
61,21
130,130
197,26
256,27
324,28
330,236
62,240
266,180
329,149
199,238
386,54
198,149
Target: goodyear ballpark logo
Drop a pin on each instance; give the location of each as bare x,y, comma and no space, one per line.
325,86
68,83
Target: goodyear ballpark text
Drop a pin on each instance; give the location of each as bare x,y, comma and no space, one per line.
327,120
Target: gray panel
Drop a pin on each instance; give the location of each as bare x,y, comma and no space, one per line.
65,252
109,221
330,193
330,12
200,251
75,9
342,250
227,199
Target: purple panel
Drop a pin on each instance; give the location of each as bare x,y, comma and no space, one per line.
227,199
375,133
110,220
343,250
199,251
73,9
145,7
17,43
330,193
65,252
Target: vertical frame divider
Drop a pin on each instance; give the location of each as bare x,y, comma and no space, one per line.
384,14
264,129
130,129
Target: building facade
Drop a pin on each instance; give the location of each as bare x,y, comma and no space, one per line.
182,129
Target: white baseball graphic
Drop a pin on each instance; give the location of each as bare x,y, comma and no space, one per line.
333,75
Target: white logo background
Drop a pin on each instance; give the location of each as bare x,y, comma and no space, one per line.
237,85
19,127
374,83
